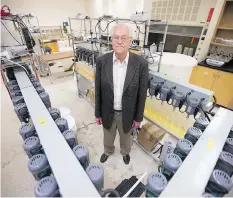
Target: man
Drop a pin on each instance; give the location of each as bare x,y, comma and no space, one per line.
120,92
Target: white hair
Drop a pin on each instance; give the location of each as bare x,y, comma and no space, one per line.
125,26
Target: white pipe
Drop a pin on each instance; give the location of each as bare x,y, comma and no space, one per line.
134,186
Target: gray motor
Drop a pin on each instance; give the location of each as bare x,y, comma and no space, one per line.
27,130
228,147
225,163
17,100
40,90
177,98
219,184
14,93
38,165
13,87
12,82
156,182
164,92
32,146
183,147
62,124
192,104
36,84
171,163
45,99
193,134
201,123
71,138
47,187
55,113
96,174
22,112
207,195
82,155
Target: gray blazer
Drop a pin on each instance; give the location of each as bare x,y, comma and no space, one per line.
134,91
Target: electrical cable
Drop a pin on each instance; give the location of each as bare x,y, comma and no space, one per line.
11,34
138,27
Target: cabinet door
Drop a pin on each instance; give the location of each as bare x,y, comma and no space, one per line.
203,77
223,89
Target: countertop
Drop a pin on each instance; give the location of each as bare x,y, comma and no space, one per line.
228,67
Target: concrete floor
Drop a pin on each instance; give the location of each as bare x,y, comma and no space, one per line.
17,181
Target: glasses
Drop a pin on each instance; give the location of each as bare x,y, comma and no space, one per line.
117,38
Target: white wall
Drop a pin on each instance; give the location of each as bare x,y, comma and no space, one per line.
117,8
49,12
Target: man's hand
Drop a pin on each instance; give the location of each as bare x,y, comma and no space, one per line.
136,124
98,121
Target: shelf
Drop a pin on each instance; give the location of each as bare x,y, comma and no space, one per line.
174,33
195,171
221,44
225,28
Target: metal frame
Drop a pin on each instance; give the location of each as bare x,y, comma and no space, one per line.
191,178
70,175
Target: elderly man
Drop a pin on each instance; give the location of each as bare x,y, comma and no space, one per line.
120,92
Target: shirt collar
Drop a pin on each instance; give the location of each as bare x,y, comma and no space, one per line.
125,61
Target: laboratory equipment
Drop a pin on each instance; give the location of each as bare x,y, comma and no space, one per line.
71,138
55,113
27,130
193,134
183,147
32,146
17,100
22,112
82,155
201,123
47,187
225,163
45,99
62,124
156,182
38,165
170,165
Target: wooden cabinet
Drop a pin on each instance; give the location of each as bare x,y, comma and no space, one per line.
220,82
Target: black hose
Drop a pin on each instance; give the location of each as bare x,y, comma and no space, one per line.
107,191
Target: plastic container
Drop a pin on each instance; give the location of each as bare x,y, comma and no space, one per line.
38,165
32,146
27,130
47,187
179,49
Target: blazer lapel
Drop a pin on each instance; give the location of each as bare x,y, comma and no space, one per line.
130,71
109,69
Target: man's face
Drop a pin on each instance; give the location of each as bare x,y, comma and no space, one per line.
121,40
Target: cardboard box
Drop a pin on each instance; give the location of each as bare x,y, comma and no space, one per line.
92,95
149,135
